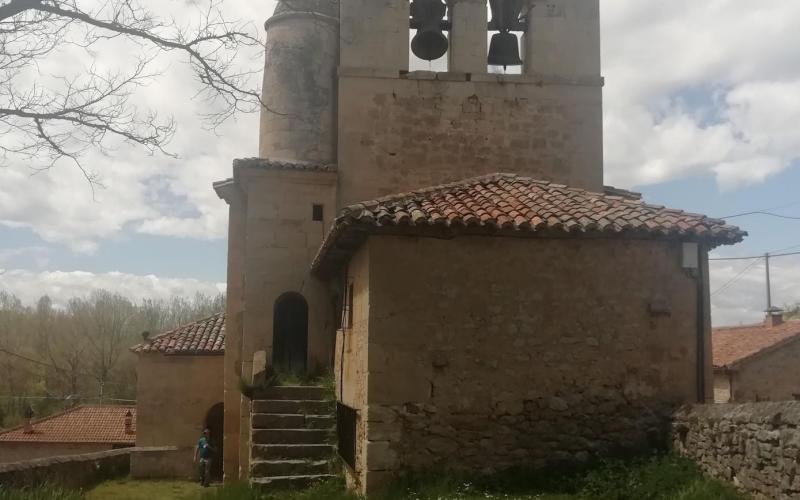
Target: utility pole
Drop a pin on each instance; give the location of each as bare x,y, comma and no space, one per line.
769,285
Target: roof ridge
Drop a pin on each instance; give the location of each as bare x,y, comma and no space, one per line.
47,436
751,326
794,336
44,419
517,203
737,327
150,340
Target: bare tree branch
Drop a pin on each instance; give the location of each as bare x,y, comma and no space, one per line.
46,118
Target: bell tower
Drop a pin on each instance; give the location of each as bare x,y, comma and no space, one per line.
521,93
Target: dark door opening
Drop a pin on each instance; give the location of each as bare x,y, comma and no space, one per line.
215,423
290,334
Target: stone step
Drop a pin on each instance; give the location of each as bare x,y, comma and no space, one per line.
291,421
292,451
293,392
320,421
277,468
292,436
290,482
295,406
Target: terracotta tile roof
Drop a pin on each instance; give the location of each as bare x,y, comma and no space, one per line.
733,345
509,204
204,337
269,164
81,424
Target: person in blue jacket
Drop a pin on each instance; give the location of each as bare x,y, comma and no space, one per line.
203,454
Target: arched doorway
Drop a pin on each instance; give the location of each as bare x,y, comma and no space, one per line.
290,333
215,423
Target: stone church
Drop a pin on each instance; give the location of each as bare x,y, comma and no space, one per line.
442,241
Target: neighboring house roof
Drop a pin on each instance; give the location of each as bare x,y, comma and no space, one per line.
204,337
81,424
514,205
734,345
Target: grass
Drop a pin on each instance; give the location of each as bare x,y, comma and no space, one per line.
145,490
648,478
44,492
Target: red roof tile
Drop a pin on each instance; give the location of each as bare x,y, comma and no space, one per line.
204,337
82,424
517,205
734,345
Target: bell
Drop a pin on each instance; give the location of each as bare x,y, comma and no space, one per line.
506,15
504,50
429,45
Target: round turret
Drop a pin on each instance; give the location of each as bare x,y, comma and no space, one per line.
325,7
299,90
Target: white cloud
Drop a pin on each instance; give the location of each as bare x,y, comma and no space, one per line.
58,204
743,299
692,88
61,286
699,88
39,255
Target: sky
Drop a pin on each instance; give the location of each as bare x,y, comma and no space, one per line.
701,105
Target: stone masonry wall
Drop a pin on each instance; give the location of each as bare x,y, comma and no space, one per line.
485,353
86,469
74,471
756,446
399,134
771,376
281,240
184,388
11,451
351,360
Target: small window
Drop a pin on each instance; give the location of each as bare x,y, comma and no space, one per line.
317,213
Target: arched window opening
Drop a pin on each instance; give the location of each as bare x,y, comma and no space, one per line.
508,21
429,35
215,423
290,334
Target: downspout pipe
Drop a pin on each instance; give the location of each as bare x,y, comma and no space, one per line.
701,325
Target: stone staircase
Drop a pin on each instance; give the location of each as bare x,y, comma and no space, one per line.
292,435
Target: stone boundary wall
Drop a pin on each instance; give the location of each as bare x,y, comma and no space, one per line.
169,462
755,446
75,471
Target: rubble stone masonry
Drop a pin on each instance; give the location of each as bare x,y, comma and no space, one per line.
756,446
497,352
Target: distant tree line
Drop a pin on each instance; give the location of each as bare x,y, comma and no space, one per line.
53,357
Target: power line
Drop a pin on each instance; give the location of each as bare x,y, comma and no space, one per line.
733,280
771,255
787,248
57,368
764,211
759,212
29,360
